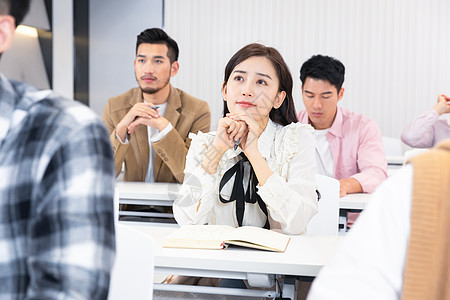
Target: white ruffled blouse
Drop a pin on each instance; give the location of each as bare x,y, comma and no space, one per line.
289,194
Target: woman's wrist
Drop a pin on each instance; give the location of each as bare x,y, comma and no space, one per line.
212,158
253,154
259,164
208,167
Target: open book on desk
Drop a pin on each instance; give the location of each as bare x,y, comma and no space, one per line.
220,236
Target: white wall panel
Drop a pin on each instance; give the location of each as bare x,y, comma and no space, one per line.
113,28
63,49
396,52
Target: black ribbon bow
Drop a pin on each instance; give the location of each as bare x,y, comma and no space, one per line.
238,194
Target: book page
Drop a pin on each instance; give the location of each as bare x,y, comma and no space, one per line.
260,237
199,236
203,232
218,236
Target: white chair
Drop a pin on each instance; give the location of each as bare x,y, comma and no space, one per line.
392,146
326,221
132,274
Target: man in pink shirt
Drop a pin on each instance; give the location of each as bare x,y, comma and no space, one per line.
349,146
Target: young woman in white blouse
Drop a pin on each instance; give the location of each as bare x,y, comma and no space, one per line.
268,181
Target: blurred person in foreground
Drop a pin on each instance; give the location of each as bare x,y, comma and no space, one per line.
399,246
56,192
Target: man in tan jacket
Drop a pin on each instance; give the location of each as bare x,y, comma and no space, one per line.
149,125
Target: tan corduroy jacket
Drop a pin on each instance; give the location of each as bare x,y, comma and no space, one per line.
427,267
185,113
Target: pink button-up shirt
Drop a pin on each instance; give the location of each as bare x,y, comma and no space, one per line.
426,131
357,148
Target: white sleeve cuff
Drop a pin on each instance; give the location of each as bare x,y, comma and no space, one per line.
123,142
162,134
274,192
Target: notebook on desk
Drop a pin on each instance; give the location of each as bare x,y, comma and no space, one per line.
221,236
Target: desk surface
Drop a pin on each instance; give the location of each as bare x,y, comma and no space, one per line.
304,256
156,193
148,191
354,201
394,159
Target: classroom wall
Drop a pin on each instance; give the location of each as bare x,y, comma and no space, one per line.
63,48
114,25
396,53
24,60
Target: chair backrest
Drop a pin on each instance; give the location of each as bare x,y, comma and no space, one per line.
326,221
132,274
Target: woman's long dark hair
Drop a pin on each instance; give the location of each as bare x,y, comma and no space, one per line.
285,114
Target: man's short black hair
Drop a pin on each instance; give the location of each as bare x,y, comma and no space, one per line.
15,8
323,68
158,36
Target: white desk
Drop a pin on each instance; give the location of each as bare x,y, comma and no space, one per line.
145,193
394,160
354,201
163,194
304,256
150,194
395,163
351,202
